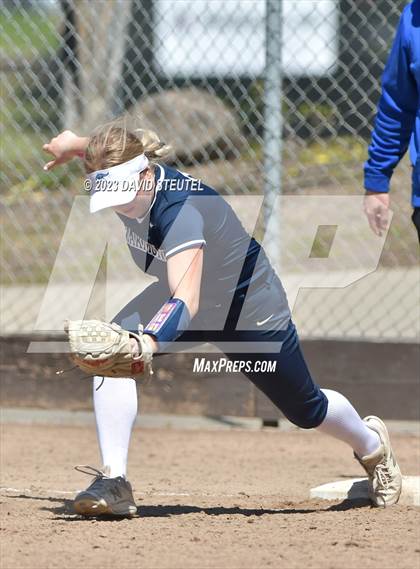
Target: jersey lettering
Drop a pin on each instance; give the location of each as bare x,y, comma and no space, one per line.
136,242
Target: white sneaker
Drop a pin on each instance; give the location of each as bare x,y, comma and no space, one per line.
384,475
105,496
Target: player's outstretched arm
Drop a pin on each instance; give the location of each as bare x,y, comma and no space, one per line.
173,318
64,147
184,277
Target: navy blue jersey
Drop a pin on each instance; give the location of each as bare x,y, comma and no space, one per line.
186,214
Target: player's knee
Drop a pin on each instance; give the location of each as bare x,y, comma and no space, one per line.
310,414
129,322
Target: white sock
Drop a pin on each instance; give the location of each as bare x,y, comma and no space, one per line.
115,404
343,422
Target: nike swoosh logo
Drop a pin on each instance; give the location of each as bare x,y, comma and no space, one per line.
264,321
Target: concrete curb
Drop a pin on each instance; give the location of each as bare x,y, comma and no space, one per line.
32,416
25,416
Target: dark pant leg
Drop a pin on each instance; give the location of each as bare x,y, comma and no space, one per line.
290,387
142,308
416,220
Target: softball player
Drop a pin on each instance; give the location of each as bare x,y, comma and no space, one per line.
215,285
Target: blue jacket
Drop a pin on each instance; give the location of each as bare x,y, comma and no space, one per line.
398,120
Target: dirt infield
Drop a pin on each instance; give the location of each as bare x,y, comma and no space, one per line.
205,499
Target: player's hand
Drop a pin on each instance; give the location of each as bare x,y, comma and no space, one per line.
63,147
376,207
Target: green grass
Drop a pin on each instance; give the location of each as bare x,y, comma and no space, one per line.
337,150
21,153
22,159
30,34
327,151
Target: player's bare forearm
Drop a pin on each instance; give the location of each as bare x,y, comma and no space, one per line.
82,143
184,277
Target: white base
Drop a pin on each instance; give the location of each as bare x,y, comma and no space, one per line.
356,488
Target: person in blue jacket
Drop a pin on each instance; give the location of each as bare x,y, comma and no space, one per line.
397,125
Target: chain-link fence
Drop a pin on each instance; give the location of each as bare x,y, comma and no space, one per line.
228,83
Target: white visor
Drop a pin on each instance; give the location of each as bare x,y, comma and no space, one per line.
117,185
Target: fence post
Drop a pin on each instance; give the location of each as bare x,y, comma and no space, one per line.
273,124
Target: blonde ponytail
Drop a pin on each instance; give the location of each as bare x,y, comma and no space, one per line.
153,148
114,143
